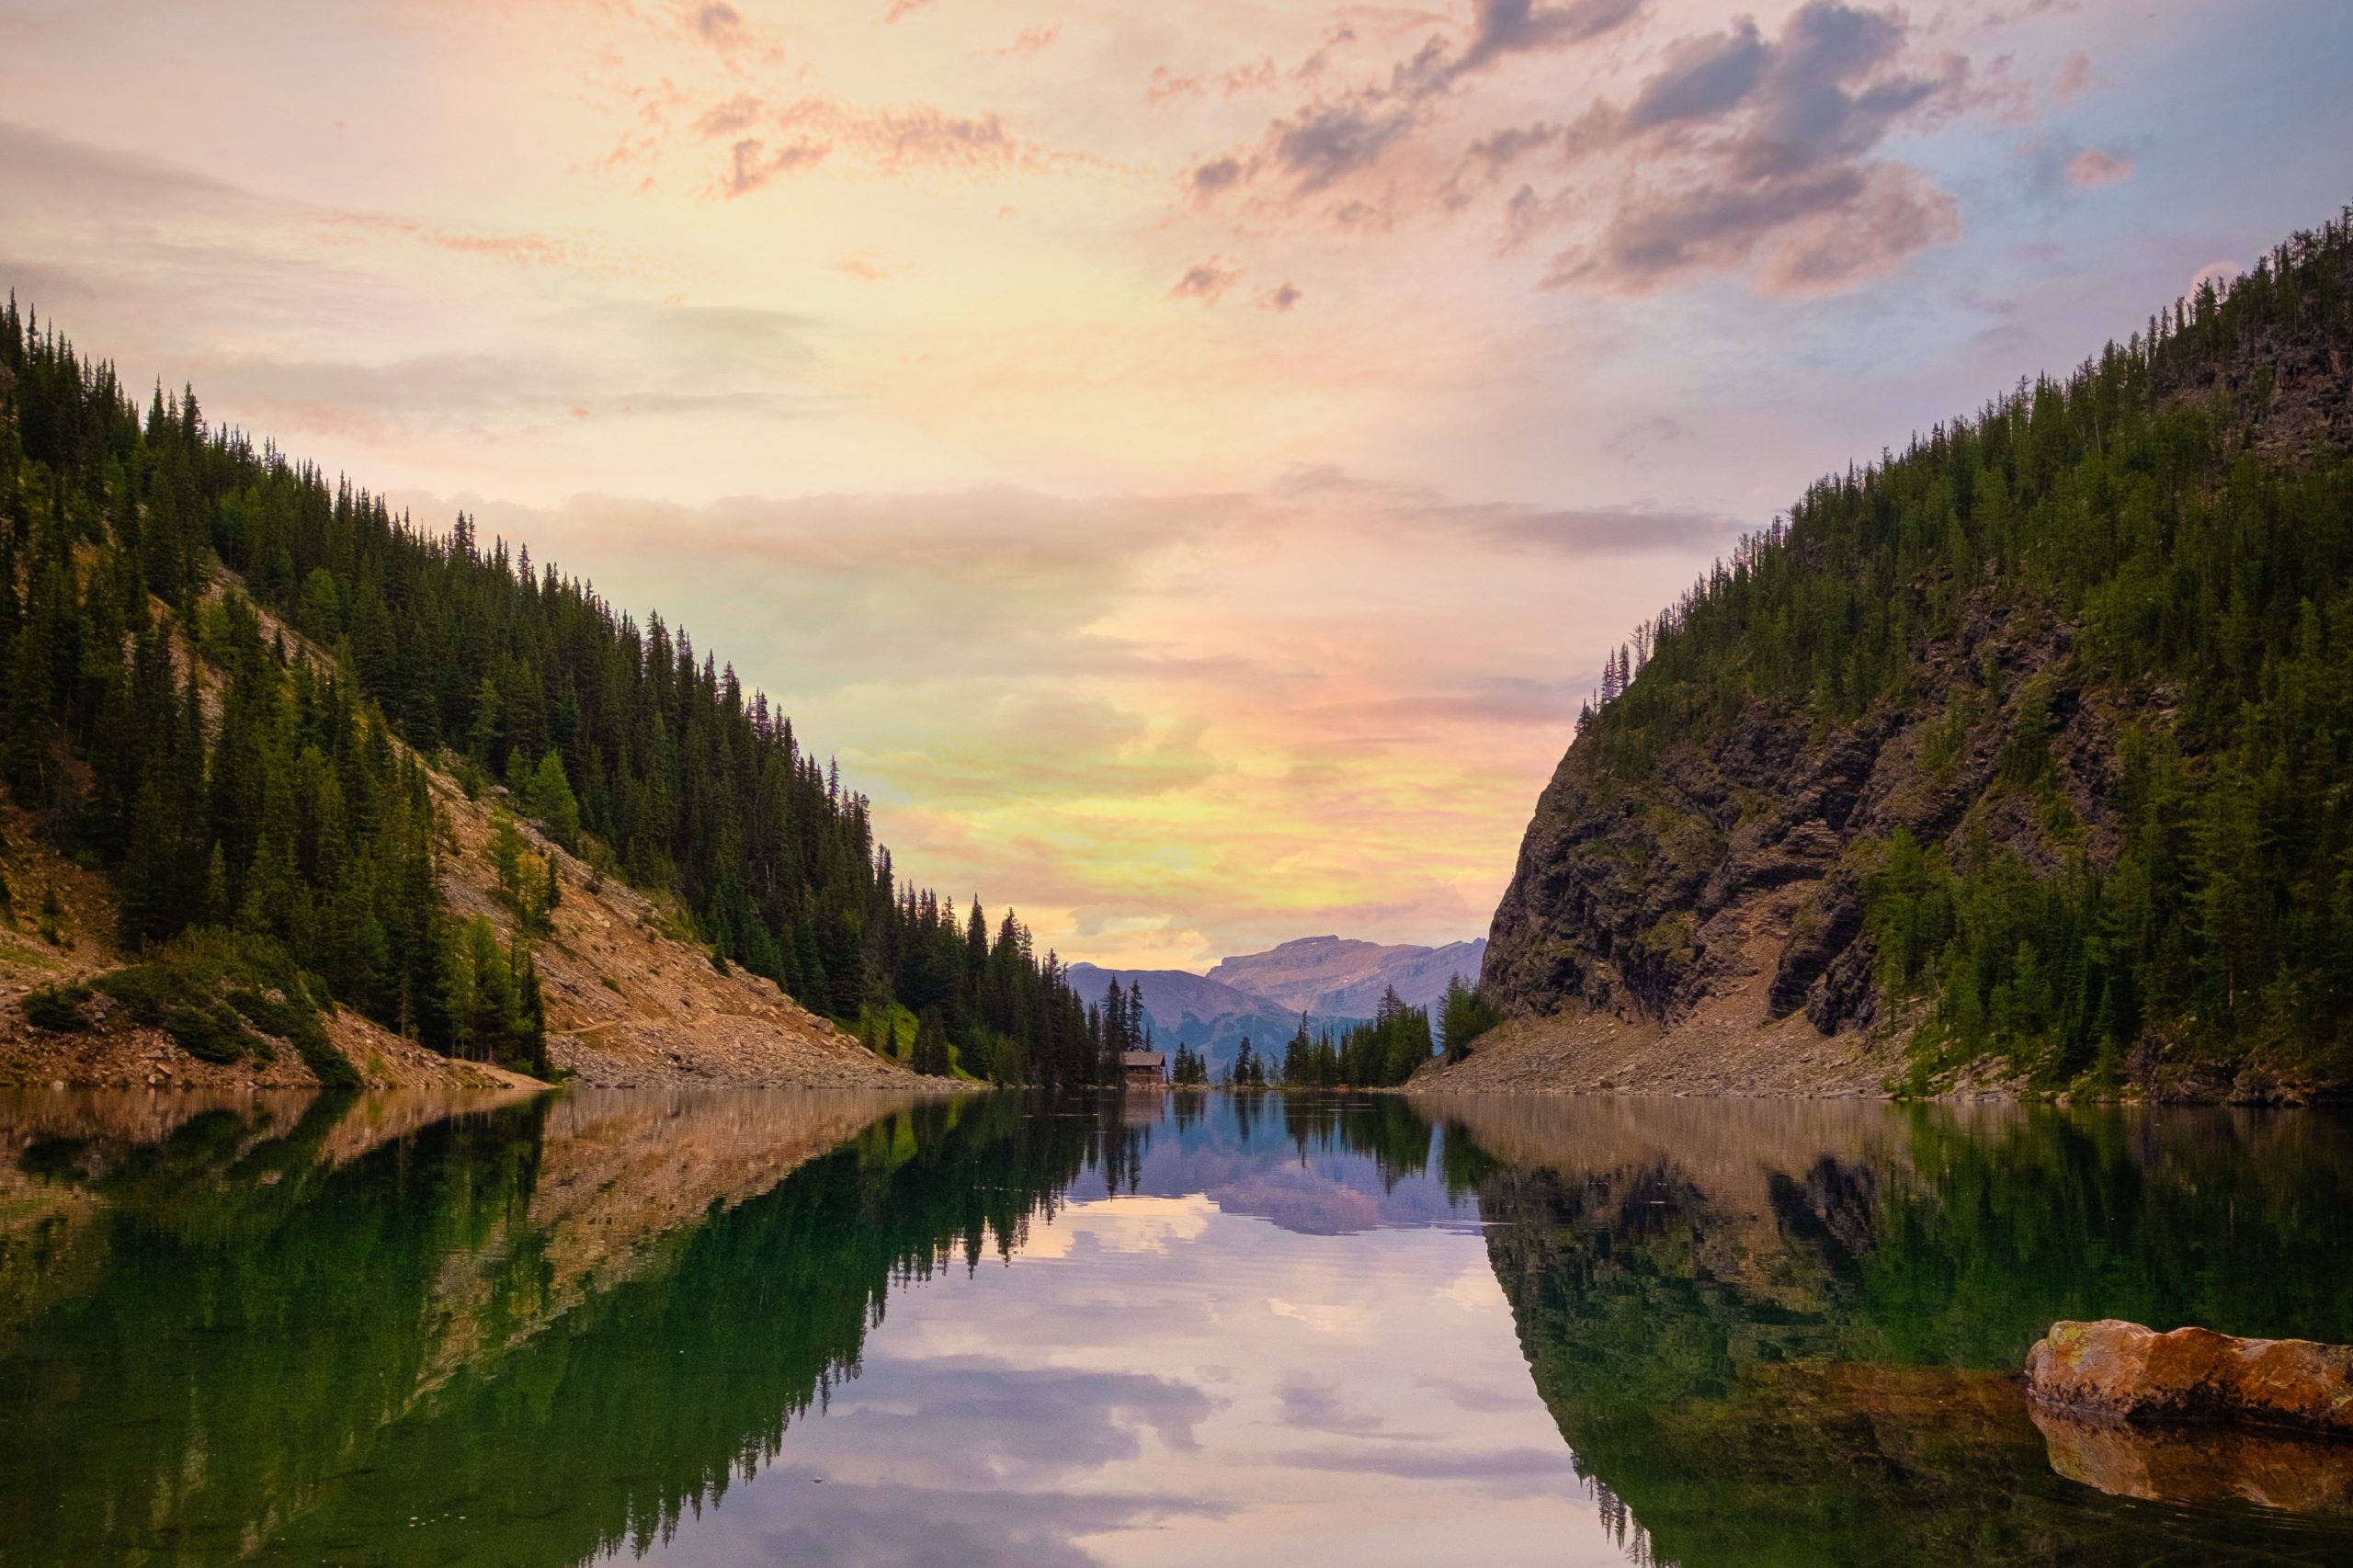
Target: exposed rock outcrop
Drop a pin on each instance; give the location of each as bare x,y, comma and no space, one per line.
630,1003
1722,893
2120,1371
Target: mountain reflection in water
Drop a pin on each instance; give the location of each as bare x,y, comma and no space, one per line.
755,1328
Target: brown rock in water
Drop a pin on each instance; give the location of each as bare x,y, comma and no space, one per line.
2122,1371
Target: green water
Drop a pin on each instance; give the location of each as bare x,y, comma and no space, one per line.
765,1327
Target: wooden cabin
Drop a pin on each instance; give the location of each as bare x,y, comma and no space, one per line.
1144,1069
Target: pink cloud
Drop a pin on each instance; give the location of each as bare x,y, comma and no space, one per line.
2218,273
1029,41
570,253
2074,76
750,164
1737,149
2095,166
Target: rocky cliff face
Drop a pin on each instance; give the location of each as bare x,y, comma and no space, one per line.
1706,901
1727,869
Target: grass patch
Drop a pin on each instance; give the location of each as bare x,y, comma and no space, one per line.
888,1032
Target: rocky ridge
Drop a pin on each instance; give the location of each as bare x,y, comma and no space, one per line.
1339,977
1698,926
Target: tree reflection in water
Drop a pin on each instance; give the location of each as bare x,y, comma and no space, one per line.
548,1331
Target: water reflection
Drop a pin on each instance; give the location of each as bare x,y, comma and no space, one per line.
761,1327
1783,1332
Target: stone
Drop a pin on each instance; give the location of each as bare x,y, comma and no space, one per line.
2122,1371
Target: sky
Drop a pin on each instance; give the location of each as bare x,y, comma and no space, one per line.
1187,463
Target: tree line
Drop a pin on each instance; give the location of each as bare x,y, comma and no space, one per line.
225,779
1380,1052
2203,561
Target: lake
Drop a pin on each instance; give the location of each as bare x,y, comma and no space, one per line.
758,1328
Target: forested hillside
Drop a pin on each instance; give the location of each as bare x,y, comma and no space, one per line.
2026,745
279,807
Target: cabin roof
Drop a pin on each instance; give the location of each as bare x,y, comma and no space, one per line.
1140,1059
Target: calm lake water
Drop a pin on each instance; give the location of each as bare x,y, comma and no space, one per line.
762,1327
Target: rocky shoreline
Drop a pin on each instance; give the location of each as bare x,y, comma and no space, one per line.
1727,1048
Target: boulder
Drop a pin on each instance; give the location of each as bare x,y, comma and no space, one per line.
2122,1371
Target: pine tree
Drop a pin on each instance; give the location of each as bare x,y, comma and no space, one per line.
931,1045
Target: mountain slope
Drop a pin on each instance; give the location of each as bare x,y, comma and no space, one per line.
2015,758
1344,978
1335,982
626,1001
1171,996
249,701
1185,1008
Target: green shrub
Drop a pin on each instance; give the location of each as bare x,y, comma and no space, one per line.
298,1025
208,985
57,1008
139,988
210,1034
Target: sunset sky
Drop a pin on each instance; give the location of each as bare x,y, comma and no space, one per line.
1187,461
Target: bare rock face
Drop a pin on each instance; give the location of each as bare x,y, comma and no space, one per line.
2120,1371
1647,893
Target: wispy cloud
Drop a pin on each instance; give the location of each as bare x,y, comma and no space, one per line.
2072,79
752,163
763,139
1029,41
1331,138
1765,150
1206,281
1739,149
577,252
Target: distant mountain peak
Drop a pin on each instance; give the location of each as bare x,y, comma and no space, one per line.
1332,979
1346,976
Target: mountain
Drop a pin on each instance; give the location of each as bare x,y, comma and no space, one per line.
1336,983
1344,978
2017,758
1191,1009
291,784
1171,996
623,1000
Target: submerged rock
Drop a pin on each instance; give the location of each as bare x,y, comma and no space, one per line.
2122,1371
